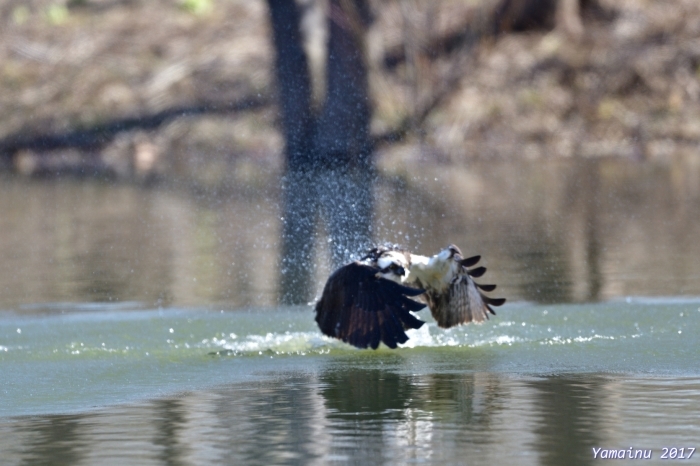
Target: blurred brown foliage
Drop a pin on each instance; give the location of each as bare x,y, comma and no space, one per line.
449,81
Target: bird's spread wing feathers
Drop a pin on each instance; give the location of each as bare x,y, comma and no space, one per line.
361,309
462,301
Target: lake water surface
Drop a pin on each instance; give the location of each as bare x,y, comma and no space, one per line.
141,326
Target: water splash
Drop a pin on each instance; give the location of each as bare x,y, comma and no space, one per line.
313,342
287,343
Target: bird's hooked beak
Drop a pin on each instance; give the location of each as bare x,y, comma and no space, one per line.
454,250
448,253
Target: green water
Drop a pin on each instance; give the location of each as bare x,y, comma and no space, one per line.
534,385
142,326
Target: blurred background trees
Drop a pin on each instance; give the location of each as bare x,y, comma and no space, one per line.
101,86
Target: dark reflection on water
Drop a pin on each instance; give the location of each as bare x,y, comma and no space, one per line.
363,416
395,417
169,421
366,394
570,418
272,423
55,440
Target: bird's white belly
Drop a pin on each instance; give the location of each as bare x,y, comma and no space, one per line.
431,273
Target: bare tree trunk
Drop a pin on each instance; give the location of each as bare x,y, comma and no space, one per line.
299,204
568,18
329,167
342,140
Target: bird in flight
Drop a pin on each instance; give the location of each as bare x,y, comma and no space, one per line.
371,300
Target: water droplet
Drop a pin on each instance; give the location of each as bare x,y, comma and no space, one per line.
19,330
172,331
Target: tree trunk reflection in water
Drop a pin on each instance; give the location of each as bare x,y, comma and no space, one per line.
170,423
570,409
54,441
555,230
590,185
329,171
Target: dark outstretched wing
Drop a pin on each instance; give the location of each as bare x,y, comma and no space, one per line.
362,309
462,301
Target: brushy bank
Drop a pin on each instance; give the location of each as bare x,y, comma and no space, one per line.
201,72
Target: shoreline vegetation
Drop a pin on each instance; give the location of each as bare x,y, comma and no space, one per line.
184,90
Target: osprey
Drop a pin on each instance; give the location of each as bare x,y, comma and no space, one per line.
370,301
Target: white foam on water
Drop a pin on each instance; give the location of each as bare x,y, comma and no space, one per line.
497,340
430,335
419,337
281,343
312,342
593,337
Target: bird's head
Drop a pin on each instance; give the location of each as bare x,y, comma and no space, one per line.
376,252
392,265
450,252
